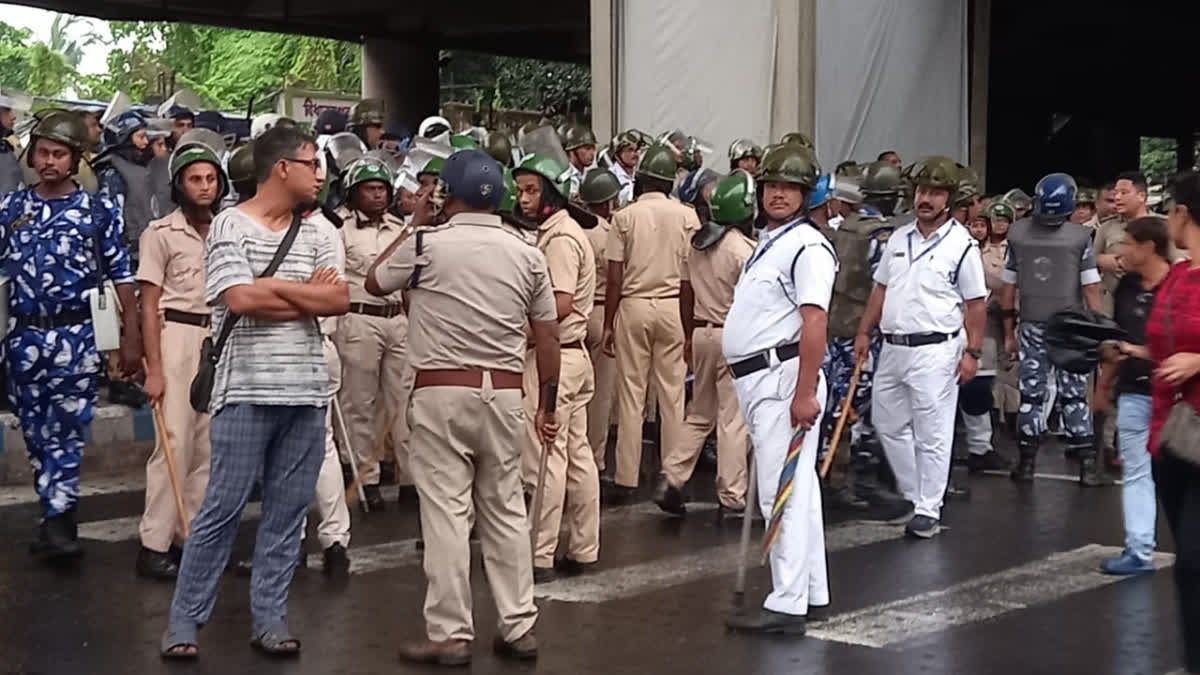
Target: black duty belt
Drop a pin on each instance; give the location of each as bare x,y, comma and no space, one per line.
707,324
578,344
190,318
918,339
44,322
763,361
381,311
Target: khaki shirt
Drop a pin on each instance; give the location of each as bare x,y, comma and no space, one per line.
1109,236
994,257
598,238
172,258
651,237
714,272
365,239
479,285
570,261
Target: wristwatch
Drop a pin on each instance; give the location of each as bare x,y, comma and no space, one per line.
977,353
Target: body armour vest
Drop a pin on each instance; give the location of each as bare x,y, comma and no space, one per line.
852,242
1048,261
138,210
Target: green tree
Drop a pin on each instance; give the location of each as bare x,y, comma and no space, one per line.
1157,157
508,82
14,56
62,42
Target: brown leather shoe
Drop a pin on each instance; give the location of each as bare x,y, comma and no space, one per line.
524,648
444,653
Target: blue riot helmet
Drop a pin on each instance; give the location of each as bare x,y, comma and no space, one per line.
330,121
474,177
1054,199
209,119
821,192
118,131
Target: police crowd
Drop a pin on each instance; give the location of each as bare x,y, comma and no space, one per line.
469,314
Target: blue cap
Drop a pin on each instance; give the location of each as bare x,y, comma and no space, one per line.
176,111
211,120
474,177
330,121
821,192
1054,197
396,131
694,182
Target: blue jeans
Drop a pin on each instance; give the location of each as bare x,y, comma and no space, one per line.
1137,491
283,444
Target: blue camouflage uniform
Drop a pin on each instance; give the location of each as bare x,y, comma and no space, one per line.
50,255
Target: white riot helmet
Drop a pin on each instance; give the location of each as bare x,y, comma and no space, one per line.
263,123
435,128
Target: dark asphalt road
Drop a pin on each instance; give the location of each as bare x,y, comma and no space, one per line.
992,594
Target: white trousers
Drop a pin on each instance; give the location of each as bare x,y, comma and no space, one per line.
330,496
913,405
979,433
798,573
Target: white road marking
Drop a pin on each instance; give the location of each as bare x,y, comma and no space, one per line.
125,529
12,495
652,575
985,597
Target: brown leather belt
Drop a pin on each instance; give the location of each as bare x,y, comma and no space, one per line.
501,379
190,318
381,311
706,324
578,344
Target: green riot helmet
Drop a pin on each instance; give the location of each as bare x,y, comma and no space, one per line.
241,164
367,112
789,163
734,199
599,186
743,148
936,172
797,138
1086,196
64,127
624,140
881,178
185,156
849,169
558,176
499,146
433,166
659,161
578,136
365,170
1019,200
968,186
1000,209
509,201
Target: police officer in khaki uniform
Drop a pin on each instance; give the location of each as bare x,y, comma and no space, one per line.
642,328
719,252
473,286
372,338
571,482
598,192
174,314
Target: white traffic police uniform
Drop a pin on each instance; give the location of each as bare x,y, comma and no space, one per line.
792,265
915,394
625,179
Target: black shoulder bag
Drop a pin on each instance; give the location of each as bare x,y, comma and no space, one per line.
210,353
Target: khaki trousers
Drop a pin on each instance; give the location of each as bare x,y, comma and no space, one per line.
649,346
572,481
330,496
714,404
468,470
187,431
605,369
376,382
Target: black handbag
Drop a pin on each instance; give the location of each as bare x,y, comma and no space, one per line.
200,393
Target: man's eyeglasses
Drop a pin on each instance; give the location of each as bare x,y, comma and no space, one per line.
314,163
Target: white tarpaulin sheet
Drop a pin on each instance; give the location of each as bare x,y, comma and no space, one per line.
890,74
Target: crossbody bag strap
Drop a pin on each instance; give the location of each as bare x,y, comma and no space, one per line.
280,254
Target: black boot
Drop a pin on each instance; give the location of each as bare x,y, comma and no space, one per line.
58,538
374,498
155,565
1091,470
1028,447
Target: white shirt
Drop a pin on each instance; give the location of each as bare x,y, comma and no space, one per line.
626,180
790,267
929,279
576,179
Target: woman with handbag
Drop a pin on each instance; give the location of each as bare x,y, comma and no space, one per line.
1173,338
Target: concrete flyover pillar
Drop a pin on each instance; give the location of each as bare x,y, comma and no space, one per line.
404,75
